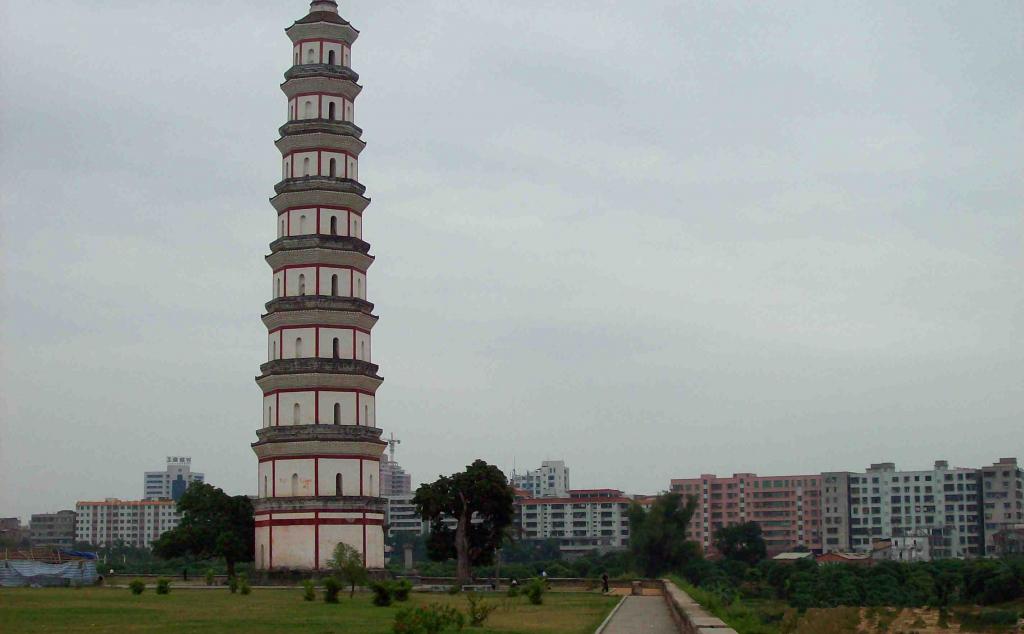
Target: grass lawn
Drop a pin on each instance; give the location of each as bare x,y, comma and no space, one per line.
114,610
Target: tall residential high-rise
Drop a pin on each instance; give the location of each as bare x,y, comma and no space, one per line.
788,508
319,448
170,483
393,478
551,480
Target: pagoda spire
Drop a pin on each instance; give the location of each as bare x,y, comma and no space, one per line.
323,5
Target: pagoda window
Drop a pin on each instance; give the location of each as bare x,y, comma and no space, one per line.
302,225
331,60
331,107
298,349
337,413
296,413
311,56
359,287
337,485
334,285
334,166
305,166
336,348
334,225
265,486
302,284
295,485
307,110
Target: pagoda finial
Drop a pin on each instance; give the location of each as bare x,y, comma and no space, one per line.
323,5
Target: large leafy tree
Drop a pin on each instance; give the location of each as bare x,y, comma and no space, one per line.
213,524
741,542
480,500
657,536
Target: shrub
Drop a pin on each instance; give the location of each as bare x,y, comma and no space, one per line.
210,578
163,586
331,590
401,589
137,587
987,619
479,609
233,584
513,591
308,590
243,585
383,592
535,591
429,619
455,589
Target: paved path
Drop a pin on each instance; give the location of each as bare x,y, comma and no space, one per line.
642,615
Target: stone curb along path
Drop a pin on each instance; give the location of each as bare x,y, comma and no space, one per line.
674,612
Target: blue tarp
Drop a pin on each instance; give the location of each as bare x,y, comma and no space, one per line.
23,572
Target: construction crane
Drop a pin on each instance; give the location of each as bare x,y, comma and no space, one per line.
392,443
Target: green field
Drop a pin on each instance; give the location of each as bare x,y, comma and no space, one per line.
25,611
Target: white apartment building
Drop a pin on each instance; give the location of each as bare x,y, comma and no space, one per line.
551,480
401,518
942,503
137,523
585,520
170,483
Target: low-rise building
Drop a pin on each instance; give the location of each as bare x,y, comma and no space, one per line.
788,508
53,529
136,523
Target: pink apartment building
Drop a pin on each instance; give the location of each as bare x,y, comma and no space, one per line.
788,508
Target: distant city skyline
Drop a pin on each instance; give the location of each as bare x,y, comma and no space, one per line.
654,238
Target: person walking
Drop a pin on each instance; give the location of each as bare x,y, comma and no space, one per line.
604,583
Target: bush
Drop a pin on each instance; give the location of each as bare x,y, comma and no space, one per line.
233,584
243,585
137,587
331,590
535,591
308,590
163,586
987,619
454,589
513,591
383,592
479,609
401,590
210,578
429,619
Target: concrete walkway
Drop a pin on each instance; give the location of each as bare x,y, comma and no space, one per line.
646,615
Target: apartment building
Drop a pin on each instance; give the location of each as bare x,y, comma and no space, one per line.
401,518
136,523
584,520
551,480
788,508
53,529
393,478
1003,500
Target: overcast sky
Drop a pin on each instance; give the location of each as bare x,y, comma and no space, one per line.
654,239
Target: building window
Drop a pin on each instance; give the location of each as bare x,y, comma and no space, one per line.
310,56
305,166
334,225
307,109
334,285
330,58
277,292
265,489
331,108
302,284
337,413
296,414
298,348
337,485
336,348
334,165
302,225
295,485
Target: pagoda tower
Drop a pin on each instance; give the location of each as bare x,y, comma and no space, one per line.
319,446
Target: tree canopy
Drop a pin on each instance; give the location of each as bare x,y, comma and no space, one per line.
481,501
741,542
213,524
657,537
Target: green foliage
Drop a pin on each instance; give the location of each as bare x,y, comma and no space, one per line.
742,542
243,585
137,586
331,590
987,619
455,589
478,610
163,586
233,584
535,591
513,592
213,524
347,563
383,593
480,493
429,619
658,536
401,590
210,577
308,590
